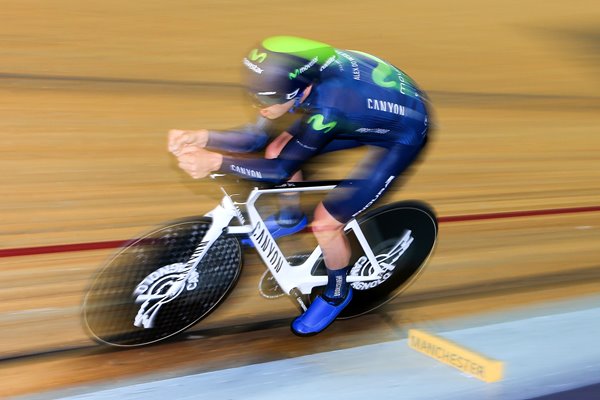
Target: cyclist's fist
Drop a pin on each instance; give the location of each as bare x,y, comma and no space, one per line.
198,162
179,139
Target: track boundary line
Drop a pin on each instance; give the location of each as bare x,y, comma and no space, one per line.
113,244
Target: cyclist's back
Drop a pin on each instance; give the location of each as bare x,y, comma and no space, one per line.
369,101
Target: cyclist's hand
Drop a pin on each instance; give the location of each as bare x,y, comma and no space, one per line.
179,139
198,162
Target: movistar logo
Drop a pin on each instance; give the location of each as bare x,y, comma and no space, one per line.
317,124
388,76
301,70
256,56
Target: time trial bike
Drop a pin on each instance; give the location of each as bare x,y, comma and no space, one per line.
171,278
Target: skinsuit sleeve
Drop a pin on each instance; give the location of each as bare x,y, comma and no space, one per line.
311,134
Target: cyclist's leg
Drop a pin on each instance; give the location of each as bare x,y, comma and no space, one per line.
330,236
289,203
290,213
354,195
370,180
275,147
290,218
338,294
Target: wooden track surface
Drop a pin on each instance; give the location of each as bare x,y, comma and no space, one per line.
88,92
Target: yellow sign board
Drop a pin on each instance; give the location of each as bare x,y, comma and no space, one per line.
450,353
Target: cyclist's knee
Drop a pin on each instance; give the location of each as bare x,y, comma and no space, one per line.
272,151
324,222
275,147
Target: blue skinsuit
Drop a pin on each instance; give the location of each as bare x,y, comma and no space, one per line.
358,100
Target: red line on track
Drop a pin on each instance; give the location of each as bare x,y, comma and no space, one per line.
60,248
67,248
518,214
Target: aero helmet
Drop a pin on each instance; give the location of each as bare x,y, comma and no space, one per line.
281,67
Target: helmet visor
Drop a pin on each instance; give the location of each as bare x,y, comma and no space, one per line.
267,99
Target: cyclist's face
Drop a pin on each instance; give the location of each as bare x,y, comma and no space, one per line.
276,110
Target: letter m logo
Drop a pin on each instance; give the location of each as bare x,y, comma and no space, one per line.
316,121
256,56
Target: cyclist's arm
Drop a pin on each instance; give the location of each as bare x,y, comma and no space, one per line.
246,139
305,144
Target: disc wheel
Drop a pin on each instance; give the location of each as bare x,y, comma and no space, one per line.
402,236
144,294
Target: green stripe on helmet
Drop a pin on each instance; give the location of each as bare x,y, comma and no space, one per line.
300,47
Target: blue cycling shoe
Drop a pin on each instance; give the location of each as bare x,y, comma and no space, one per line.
319,316
278,230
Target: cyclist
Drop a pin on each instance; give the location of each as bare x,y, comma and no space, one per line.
344,99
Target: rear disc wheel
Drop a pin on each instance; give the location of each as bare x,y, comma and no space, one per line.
402,236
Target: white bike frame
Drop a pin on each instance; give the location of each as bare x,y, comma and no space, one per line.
290,279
